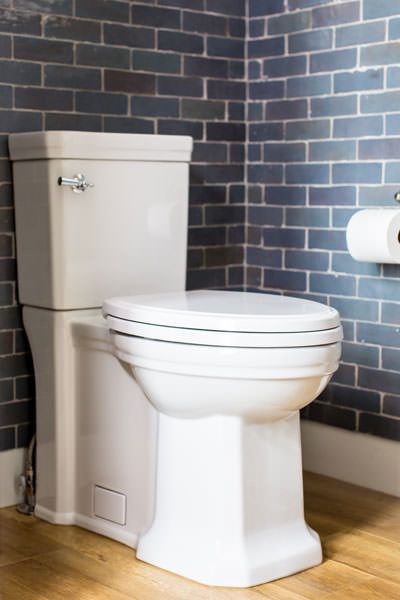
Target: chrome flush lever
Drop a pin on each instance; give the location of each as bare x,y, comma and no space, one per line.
78,184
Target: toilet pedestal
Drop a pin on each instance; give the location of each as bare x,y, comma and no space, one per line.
229,501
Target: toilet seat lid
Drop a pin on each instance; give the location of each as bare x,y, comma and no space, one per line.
227,311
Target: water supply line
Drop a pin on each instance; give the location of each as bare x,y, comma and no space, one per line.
28,482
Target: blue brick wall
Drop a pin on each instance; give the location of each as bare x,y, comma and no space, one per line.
323,142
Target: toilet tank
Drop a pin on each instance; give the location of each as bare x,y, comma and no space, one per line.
125,235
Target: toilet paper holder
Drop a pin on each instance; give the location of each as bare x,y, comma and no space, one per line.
397,196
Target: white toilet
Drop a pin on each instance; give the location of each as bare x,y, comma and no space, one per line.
172,424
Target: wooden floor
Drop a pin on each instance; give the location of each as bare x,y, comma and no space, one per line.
360,531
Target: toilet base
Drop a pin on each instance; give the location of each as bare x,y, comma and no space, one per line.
229,502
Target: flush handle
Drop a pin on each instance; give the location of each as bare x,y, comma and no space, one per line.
78,184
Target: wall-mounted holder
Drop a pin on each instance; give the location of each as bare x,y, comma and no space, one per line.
373,235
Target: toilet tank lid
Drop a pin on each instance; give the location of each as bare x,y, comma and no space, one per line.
99,146
225,311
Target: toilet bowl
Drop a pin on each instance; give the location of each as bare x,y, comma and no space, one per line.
227,373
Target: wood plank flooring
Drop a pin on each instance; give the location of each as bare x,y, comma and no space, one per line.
359,528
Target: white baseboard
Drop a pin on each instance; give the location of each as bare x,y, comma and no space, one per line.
11,465
357,458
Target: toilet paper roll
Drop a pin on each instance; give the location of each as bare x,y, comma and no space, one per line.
373,235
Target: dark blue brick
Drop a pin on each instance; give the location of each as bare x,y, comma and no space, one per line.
380,54
225,47
263,257
289,22
208,109
203,151
285,280
264,90
377,195
310,173
332,415
266,47
286,109
333,284
207,236
385,335
236,111
376,379
333,60
256,27
46,6
205,278
383,8
391,312
295,4
72,77
131,83
392,172
180,127
365,33
358,80
357,173
345,12
307,260
39,50
237,153
348,330
333,195
153,16
332,151
128,125
146,106
226,131
341,216
307,130
236,234
19,22
7,438
290,195
102,10
265,173
254,69
102,56
265,215
15,121
344,263
227,7
258,9
378,103
180,86
72,29
390,359
73,122
224,256
157,62
307,217
394,29
42,99
383,289
237,194
367,310
226,90
284,152
254,152
128,35
207,194
357,127
327,239
180,42
258,132
379,425
352,397
98,102
284,67
237,28
311,85
391,405
284,237
379,148
204,23
310,41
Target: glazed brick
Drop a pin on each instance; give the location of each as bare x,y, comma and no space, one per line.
46,6
266,90
207,236
7,438
225,47
344,12
195,257
266,47
334,106
295,4
384,335
390,359
103,10
358,80
223,256
253,69
383,289
72,77
205,278
236,234
6,342
157,62
283,67
259,9
393,77
125,35
390,312
357,127
379,148
180,42
128,125
366,310
226,90
253,278
284,152
309,173
289,22
353,398
265,173
237,193
392,173
208,109
256,28
236,69
43,99
284,237
357,173
290,195
307,130
254,152
40,50
237,28
72,29
15,121
12,21
265,215
205,67
153,16
6,390
333,60
306,260
73,122
226,131
5,170
310,85
21,345
344,263
102,56
5,96
98,102
6,245
377,195
226,7
376,379
20,72
180,86
10,318
333,284
286,109
203,23
189,4
327,239
307,217
380,54
332,151
394,29
131,83
285,280
341,216
236,111
391,405
195,217
223,173
5,46
259,132
379,425
210,194
7,219
310,41
180,127
365,33
236,277
10,366
383,8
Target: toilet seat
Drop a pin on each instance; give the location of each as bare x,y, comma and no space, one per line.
223,318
